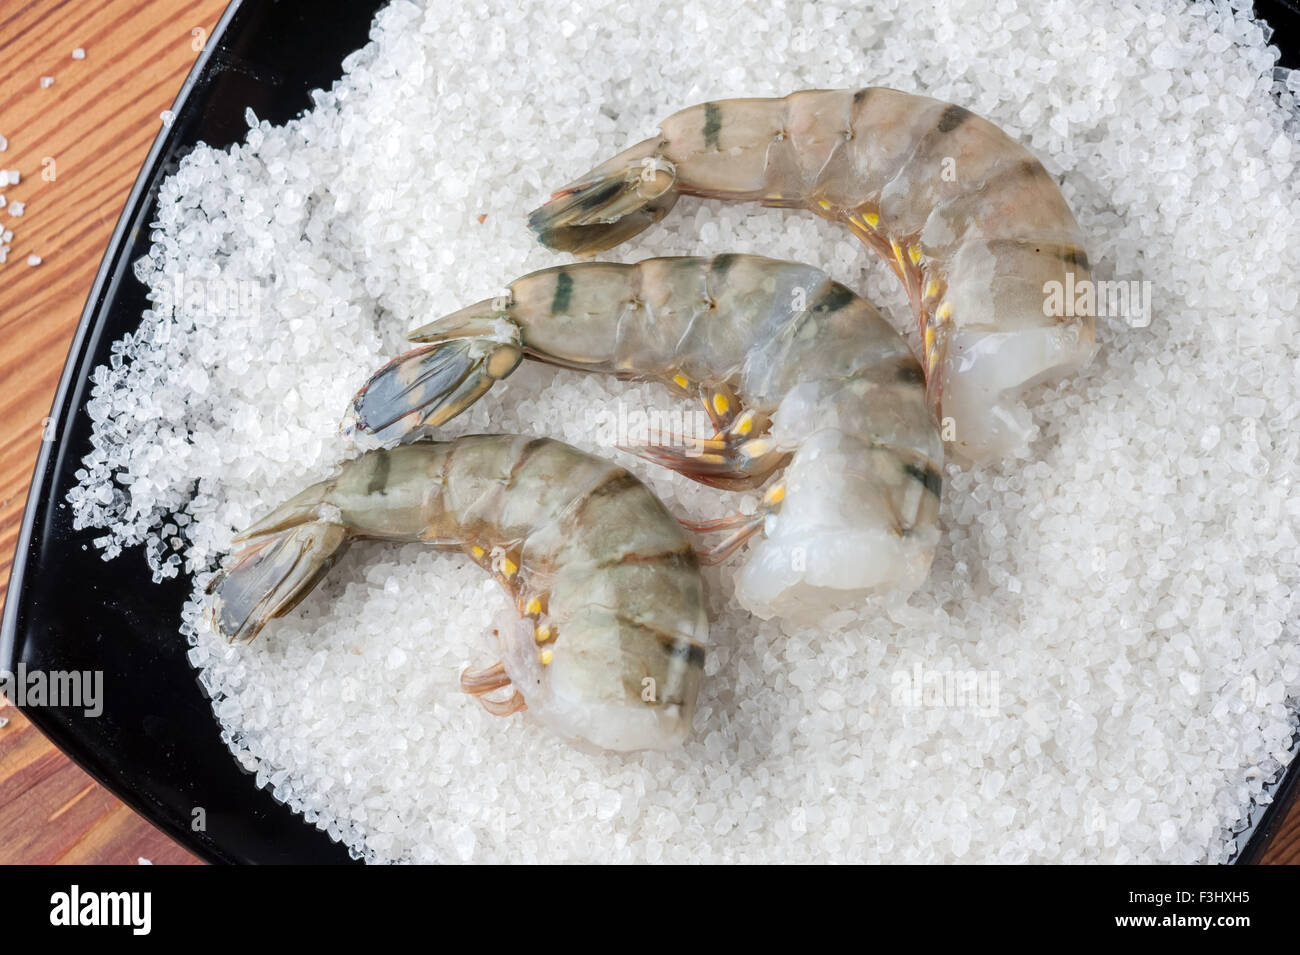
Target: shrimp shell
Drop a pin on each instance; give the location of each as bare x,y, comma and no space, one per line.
608,643
798,374
969,220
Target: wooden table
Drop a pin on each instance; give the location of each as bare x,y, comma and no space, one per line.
97,122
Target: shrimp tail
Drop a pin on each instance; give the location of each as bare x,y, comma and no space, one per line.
272,573
430,385
610,204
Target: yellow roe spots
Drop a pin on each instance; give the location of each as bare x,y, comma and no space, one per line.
721,404
898,254
546,656
943,312
932,289
508,567
700,445
914,253
478,552
543,633
872,219
534,607
744,424
681,381
775,495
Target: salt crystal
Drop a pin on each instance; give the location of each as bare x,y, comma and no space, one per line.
464,842
1211,612
1249,407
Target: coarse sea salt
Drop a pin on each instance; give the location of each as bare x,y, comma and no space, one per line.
1103,665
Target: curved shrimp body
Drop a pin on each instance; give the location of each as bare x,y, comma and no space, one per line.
971,222
793,368
608,643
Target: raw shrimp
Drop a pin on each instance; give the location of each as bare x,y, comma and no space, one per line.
970,221
792,367
608,643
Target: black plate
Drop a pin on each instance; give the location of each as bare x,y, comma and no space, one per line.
156,744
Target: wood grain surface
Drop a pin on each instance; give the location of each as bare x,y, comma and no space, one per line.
96,122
